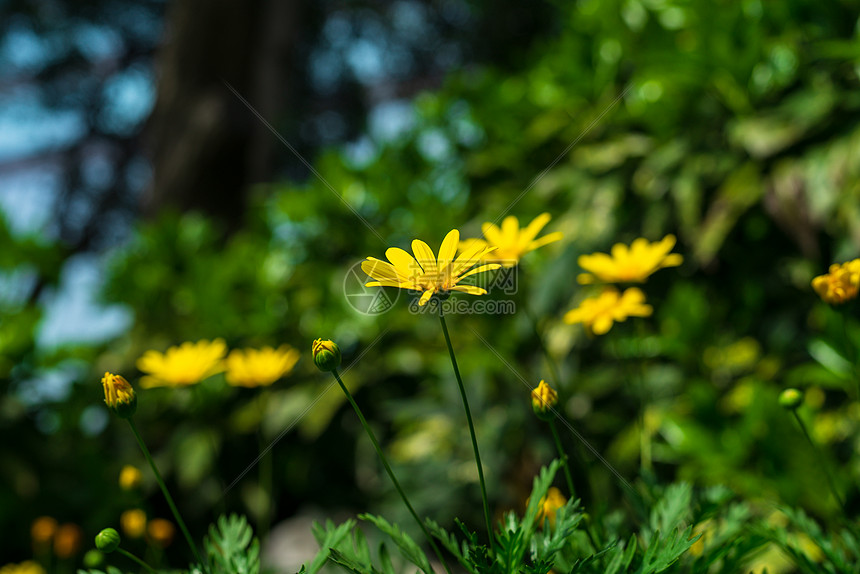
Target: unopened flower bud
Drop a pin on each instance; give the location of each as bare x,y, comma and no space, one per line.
544,398
93,558
326,355
790,399
107,540
119,395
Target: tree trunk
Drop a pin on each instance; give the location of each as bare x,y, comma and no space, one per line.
206,145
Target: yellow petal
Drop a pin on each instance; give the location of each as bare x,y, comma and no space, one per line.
381,270
448,250
481,269
426,297
492,233
425,256
530,232
546,239
403,262
471,243
470,289
510,229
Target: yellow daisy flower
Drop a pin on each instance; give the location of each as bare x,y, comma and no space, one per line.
629,264
598,313
425,272
184,365
511,241
549,505
28,567
254,368
840,284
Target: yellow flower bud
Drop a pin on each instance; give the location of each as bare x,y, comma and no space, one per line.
160,532
42,530
129,477
67,540
119,395
133,522
544,398
326,355
790,399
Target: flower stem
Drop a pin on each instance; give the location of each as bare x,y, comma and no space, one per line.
164,490
390,472
471,426
821,461
553,368
563,458
131,556
564,464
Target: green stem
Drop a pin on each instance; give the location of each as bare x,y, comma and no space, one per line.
820,461
131,556
390,472
164,490
471,426
563,458
553,368
564,465
849,355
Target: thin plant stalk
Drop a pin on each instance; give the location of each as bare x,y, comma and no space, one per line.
849,354
166,493
564,465
140,562
471,425
388,469
563,456
821,461
553,368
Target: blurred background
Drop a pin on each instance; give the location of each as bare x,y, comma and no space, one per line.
146,201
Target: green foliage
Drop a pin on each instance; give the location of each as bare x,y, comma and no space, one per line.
231,547
833,552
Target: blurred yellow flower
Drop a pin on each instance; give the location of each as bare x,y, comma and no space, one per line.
629,264
129,477
187,364
425,272
133,522
42,530
511,241
598,313
549,505
160,532
67,540
254,368
840,284
119,395
28,567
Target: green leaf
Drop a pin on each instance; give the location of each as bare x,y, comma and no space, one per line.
407,546
231,547
351,563
328,538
